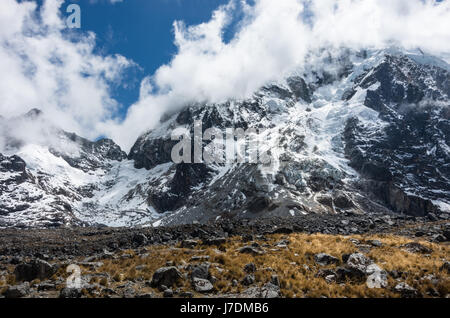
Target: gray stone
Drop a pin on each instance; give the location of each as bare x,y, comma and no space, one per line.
168,293
37,269
275,280
269,290
167,276
414,247
200,271
324,259
202,285
358,261
375,243
250,250
377,277
405,290
248,280
215,241
18,291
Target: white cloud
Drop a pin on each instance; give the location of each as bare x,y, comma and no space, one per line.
42,68
272,39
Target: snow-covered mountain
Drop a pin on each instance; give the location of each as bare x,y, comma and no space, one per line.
362,132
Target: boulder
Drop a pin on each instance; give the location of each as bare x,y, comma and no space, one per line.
405,290
202,285
445,267
37,269
200,271
167,276
353,274
377,277
18,291
248,280
324,259
414,247
358,261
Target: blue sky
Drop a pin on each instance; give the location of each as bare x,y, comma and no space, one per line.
141,30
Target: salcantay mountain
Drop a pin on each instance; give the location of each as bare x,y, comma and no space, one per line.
364,132
360,143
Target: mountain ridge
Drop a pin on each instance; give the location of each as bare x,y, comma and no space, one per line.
360,132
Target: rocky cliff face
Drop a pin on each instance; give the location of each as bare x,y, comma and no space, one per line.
363,132
355,132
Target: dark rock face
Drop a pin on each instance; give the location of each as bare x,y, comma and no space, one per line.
93,154
410,152
186,177
148,153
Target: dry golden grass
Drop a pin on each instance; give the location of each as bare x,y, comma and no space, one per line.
294,265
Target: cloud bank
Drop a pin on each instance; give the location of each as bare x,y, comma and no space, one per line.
271,39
